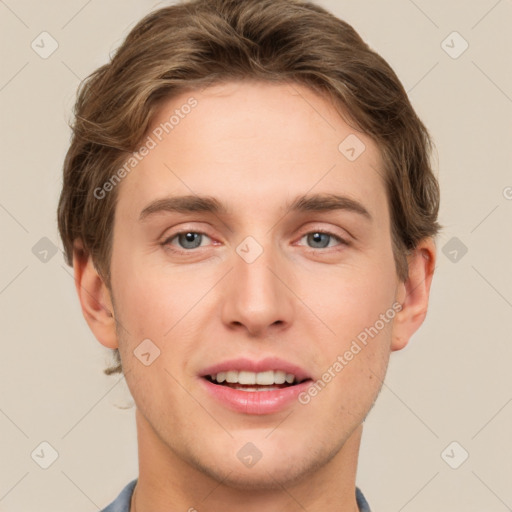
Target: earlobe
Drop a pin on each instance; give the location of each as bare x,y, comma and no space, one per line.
413,293
94,298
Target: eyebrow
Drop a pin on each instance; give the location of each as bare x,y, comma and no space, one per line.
207,204
328,202
184,204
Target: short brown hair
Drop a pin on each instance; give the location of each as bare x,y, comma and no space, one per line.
201,42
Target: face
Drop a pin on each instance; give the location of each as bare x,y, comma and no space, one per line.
276,267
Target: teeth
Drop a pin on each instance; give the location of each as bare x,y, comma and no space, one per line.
267,378
248,378
264,378
232,377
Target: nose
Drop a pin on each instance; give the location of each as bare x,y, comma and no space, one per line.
256,296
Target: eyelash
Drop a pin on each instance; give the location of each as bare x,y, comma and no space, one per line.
168,240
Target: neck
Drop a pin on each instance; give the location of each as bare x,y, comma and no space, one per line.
169,483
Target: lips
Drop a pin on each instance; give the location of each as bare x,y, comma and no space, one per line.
233,370
255,387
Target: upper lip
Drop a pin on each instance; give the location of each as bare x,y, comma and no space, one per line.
261,365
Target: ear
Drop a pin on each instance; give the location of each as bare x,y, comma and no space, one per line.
413,293
94,298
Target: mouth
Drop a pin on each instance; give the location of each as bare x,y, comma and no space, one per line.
249,381
255,387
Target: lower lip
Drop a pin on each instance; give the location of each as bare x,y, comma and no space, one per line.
255,402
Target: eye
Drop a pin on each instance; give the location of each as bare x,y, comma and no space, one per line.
187,239
322,240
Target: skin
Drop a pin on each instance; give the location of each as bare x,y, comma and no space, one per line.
255,147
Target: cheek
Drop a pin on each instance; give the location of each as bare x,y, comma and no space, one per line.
349,299
149,300
357,305
160,305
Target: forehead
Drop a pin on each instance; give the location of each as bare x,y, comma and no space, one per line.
247,141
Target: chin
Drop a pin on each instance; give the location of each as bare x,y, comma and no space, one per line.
253,478
269,473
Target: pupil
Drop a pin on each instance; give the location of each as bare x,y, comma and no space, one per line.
317,239
191,240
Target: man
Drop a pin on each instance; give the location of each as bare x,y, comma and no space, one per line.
249,208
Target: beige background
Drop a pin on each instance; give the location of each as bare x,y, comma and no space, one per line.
452,383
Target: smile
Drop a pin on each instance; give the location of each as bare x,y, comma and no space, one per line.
253,381
255,387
